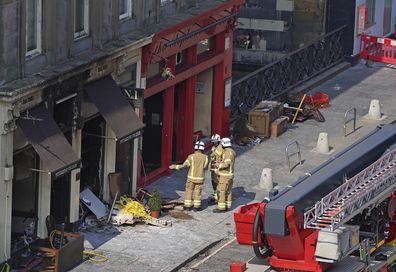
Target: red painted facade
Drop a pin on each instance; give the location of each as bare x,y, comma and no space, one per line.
217,25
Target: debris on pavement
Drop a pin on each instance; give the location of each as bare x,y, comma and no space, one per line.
93,203
132,211
180,215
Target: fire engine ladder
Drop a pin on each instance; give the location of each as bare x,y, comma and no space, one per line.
367,188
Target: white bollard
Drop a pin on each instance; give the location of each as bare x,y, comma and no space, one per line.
375,110
266,180
322,145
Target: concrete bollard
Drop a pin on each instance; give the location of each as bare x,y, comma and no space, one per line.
266,182
322,145
375,110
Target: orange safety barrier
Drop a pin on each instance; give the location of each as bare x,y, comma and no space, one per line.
378,49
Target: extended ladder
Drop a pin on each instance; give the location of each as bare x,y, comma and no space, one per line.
368,187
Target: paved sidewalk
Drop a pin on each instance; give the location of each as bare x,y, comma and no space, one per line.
147,248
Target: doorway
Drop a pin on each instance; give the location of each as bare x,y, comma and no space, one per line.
60,199
178,118
203,104
92,144
152,134
124,164
24,198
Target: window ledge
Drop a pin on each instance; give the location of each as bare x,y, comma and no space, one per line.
80,36
32,54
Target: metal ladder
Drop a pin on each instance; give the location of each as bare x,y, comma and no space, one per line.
368,187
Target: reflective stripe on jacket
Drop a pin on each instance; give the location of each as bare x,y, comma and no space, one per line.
216,155
197,162
226,167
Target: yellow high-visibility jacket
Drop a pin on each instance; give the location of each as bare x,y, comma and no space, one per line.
216,155
197,162
226,167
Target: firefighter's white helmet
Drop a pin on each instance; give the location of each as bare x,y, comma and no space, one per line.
215,138
199,145
226,142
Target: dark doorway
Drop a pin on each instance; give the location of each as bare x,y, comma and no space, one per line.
124,165
24,198
60,199
152,135
177,117
340,13
92,155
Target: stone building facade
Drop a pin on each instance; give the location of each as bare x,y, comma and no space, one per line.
71,110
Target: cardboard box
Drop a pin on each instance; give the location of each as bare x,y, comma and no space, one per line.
279,126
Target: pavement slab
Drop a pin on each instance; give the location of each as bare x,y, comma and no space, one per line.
149,248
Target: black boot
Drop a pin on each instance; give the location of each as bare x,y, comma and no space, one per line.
197,209
187,208
211,200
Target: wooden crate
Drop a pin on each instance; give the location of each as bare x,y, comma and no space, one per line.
261,117
279,126
260,121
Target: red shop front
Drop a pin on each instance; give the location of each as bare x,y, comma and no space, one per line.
194,98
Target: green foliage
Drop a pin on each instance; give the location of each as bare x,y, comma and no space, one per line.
154,202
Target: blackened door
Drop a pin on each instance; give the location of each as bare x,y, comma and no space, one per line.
152,134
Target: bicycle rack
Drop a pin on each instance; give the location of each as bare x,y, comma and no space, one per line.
347,121
288,155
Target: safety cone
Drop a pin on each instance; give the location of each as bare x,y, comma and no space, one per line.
266,182
375,110
322,145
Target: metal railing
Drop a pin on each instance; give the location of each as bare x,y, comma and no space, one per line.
297,152
347,121
350,198
278,78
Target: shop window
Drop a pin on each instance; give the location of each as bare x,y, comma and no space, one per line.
81,18
205,45
179,58
370,20
125,9
128,78
387,17
33,27
153,69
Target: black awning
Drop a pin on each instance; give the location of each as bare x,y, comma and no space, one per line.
49,142
115,108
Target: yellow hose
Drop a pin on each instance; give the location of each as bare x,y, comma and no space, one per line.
96,257
92,255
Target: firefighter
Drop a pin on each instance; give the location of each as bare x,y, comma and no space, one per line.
197,163
226,174
215,157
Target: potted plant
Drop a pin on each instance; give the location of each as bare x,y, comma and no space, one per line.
154,203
